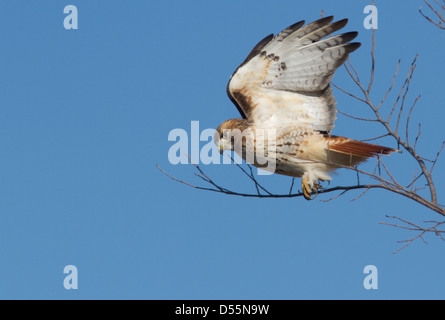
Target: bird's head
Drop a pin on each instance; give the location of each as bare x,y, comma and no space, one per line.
226,133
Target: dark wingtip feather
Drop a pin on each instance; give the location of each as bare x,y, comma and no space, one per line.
289,30
343,22
324,20
260,45
320,23
337,25
347,36
353,46
296,25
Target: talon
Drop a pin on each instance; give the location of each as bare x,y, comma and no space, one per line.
306,194
307,190
318,185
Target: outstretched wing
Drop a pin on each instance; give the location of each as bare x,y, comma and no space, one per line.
285,79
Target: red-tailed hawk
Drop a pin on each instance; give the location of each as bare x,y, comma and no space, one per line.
283,86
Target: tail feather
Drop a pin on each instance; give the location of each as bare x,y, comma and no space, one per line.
356,148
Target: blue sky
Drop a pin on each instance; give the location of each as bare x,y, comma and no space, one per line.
84,119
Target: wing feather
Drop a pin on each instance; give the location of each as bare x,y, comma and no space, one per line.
285,79
255,51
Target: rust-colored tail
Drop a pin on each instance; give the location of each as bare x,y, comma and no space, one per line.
355,151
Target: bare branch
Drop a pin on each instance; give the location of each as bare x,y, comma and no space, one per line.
348,93
417,137
407,225
408,119
376,138
292,185
371,81
390,88
437,157
439,15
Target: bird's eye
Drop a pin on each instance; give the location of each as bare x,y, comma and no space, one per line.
225,134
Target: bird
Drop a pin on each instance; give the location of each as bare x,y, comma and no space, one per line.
282,91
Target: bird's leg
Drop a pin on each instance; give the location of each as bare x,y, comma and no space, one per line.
308,189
